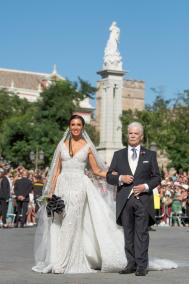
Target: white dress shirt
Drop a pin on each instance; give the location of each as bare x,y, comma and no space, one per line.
133,163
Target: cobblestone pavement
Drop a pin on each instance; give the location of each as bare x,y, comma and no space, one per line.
16,260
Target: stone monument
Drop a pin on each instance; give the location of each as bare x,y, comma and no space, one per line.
111,107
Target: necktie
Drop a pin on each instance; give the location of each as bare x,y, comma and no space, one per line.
134,155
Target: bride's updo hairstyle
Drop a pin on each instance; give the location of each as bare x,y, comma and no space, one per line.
74,116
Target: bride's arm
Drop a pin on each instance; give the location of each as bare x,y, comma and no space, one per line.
57,171
94,166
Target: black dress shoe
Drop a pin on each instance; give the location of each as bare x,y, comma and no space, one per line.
141,272
127,270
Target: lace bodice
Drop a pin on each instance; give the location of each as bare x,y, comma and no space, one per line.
77,163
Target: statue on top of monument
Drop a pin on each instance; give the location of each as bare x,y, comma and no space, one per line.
112,57
112,44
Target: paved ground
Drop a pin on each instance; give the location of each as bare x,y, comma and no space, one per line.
16,260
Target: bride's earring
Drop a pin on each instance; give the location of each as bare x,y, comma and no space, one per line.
82,133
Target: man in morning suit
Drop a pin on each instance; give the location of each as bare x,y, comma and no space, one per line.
22,189
138,174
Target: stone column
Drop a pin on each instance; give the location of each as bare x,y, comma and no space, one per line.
111,111
111,97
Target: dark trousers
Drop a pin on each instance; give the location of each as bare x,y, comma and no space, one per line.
22,208
4,207
135,224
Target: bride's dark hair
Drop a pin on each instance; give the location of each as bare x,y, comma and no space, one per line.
74,116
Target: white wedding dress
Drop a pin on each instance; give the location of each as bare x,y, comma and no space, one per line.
86,238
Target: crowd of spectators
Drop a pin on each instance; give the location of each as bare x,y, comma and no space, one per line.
171,200
21,188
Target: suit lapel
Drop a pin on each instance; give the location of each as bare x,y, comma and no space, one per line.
142,156
126,162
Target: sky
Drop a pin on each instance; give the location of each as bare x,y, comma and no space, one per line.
154,39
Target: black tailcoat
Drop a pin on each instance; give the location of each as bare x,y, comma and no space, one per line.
147,171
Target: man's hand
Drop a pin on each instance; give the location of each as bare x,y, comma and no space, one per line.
137,189
20,197
127,179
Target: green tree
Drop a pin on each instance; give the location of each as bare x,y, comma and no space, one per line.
61,99
10,105
178,133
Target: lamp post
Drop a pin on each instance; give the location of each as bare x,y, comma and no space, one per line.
153,146
1,159
37,157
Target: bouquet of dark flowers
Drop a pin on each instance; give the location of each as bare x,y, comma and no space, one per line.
54,205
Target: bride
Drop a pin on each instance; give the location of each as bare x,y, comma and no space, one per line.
85,238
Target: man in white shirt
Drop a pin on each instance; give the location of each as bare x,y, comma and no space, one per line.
138,174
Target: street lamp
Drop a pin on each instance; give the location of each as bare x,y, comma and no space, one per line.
1,159
37,157
153,146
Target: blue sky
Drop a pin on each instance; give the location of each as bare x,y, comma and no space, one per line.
154,42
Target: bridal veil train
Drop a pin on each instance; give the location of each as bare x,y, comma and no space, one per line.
86,238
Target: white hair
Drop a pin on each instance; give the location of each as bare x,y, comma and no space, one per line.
137,125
